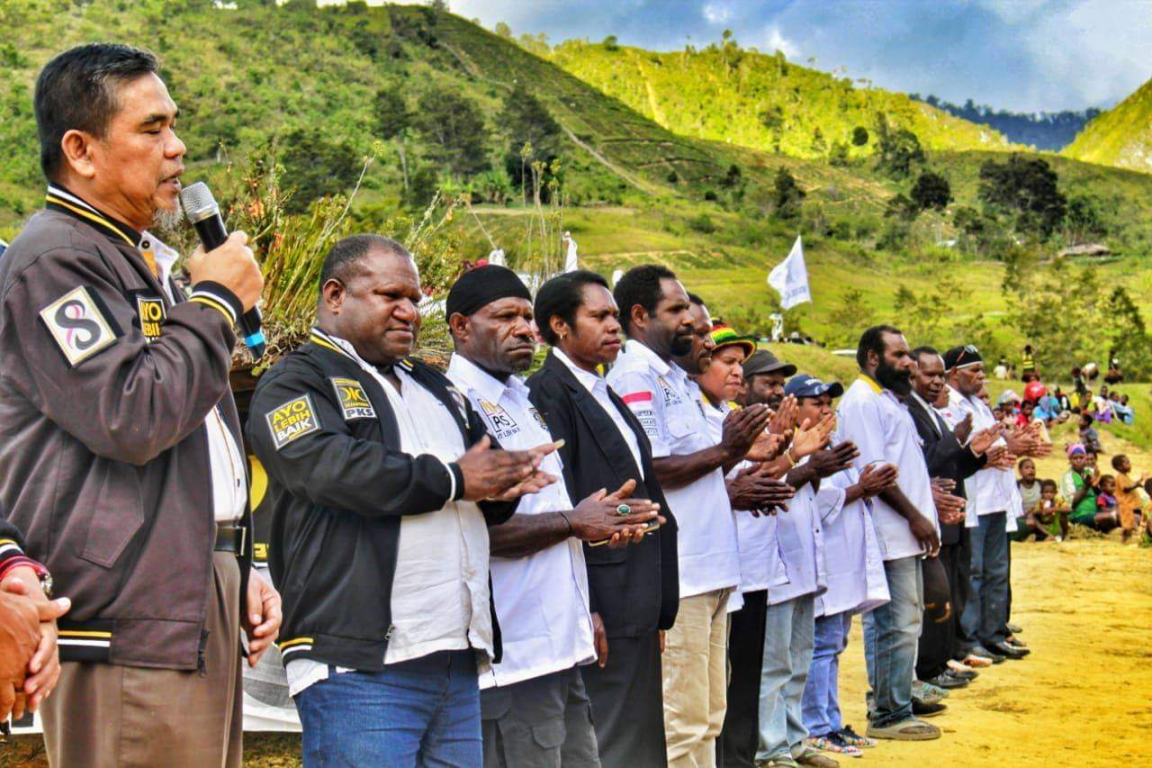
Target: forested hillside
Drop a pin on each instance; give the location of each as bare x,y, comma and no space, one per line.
1122,136
386,109
727,93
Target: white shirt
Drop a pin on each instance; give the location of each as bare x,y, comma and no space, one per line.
598,388
853,564
440,598
761,566
883,430
225,460
800,533
542,599
671,410
989,490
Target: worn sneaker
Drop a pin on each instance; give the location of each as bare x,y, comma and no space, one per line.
851,738
830,743
928,692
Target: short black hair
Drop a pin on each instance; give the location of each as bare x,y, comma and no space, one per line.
640,285
561,297
695,299
341,261
924,350
77,90
872,340
1048,484
1023,461
1116,461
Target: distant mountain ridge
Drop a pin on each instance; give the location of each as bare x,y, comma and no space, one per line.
734,95
1043,130
1120,137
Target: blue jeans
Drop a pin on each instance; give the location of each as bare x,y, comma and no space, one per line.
986,612
424,712
821,704
788,634
891,634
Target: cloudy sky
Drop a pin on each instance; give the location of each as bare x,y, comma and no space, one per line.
1022,55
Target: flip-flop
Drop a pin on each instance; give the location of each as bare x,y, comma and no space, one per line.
906,730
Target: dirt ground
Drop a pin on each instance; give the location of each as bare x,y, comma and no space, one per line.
1084,695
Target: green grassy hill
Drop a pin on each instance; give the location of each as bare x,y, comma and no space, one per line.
1121,137
629,189
725,93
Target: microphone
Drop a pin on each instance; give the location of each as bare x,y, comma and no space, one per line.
201,209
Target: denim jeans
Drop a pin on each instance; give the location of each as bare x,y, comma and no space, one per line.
891,634
424,712
821,702
788,635
986,612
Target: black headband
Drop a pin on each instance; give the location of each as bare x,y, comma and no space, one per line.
477,288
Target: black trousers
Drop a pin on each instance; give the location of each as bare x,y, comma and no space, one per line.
736,747
937,634
628,703
957,560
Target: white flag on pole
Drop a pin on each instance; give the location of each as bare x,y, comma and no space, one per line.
790,278
497,257
570,262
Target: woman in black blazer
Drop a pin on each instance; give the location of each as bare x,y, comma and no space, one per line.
634,589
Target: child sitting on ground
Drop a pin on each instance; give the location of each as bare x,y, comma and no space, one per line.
1029,487
1052,508
1127,498
1106,497
1088,437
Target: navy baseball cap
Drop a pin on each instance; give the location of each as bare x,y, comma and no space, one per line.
803,385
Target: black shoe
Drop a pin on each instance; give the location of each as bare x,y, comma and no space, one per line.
924,709
995,658
947,681
1009,651
963,674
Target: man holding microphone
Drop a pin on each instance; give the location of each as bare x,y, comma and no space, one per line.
120,447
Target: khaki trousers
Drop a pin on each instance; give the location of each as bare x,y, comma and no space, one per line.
695,668
108,715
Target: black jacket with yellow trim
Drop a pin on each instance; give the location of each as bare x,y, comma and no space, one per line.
338,486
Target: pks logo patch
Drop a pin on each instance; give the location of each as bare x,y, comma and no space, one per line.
78,326
539,419
292,421
502,421
152,316
670,395
354,402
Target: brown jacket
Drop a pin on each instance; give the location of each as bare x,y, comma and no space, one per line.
103,450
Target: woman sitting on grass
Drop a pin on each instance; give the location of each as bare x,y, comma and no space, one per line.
1080,486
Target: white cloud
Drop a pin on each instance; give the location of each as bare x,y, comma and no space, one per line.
774,40
1015,11
717,12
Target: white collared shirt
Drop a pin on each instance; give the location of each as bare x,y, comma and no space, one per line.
542,599
989,490
853,564
440,597
598,388
883,431
225,460
671,411
761,565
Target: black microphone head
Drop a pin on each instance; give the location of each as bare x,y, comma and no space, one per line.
198,203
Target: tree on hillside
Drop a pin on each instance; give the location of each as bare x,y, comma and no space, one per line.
897,149
902,207
316,166
1084,220
1127,335
931,190
786,195
454,126
611,43
527,124
393,121
503,30
1027,189
849,315
838,156
859,136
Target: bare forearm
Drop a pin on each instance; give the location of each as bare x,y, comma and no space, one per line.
678,471
800,476
524,535
895,498
853,493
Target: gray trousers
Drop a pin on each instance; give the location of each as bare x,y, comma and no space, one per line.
544,722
